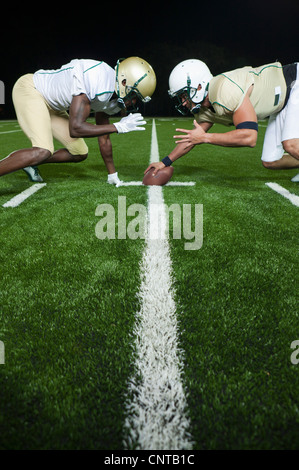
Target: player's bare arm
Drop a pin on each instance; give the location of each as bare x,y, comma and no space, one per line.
240,137
179,151
79,112
105,145
176,153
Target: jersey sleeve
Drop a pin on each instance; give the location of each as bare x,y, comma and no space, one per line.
227,91
77,83
110,107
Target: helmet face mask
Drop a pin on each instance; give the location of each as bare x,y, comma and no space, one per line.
185,98
135,81
130,100
188,83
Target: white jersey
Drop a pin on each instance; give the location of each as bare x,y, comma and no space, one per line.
93,78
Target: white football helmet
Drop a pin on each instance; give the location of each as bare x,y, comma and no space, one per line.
183,84
134,77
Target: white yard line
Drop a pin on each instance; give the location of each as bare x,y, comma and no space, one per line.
9,132
285,193
17,200
180,183
156,414
170,183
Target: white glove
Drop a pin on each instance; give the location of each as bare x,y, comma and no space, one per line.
130,123
114,179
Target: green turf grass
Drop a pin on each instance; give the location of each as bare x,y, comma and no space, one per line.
237,301
68,300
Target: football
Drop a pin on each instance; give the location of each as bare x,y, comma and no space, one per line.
162,177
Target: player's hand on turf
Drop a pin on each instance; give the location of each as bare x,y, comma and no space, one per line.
157,166
130,123
190,137
114,179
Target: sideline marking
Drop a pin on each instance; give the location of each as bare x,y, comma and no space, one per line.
284,192
17,200
156,416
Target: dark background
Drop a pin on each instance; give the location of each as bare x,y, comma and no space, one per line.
226,36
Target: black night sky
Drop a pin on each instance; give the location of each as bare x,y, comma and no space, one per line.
225,36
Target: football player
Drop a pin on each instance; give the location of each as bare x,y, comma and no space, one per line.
240,98
57,103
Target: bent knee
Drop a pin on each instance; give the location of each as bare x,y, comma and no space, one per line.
269,165
78,149
79,158
291,147
39,155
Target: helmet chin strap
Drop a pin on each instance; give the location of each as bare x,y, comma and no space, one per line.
121,103
197,107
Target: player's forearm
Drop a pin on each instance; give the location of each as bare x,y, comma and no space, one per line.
105,146
235,138
85,129
78,125
176,153
179,151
